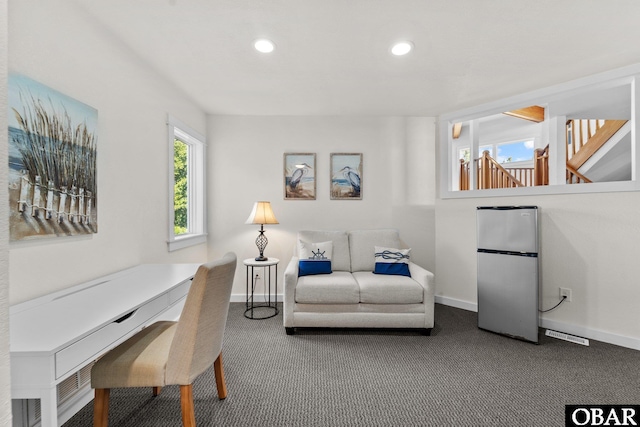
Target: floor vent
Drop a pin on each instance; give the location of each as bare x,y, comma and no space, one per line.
567,337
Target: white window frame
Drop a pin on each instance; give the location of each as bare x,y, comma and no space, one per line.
197,227
624,76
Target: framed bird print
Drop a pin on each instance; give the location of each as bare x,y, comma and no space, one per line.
299,176
346,176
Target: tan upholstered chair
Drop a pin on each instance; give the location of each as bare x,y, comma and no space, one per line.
169,353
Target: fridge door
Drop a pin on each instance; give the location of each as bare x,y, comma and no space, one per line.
508,295
508,228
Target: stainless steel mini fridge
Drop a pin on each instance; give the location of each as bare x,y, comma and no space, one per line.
508,270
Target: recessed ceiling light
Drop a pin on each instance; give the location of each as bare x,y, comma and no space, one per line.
402,48
264,45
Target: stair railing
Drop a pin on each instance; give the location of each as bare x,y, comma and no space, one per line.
541,166
578,132
575,177
492,174
464,175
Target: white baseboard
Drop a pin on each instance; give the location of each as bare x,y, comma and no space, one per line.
568,328
593,334
452,302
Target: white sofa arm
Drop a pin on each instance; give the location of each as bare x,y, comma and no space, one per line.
290,282
427,281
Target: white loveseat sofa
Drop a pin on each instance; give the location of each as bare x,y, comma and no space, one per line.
352,296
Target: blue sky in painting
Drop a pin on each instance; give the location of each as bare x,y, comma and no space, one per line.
291,160
51,99
340,161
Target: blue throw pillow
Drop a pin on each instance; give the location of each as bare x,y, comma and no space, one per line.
315,258
392,261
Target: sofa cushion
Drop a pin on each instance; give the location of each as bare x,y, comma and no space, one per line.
315,258
383,289
362,245
340,259
392,261
338,287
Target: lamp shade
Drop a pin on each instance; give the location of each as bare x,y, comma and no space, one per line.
262,214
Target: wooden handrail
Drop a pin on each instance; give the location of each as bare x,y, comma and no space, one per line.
541,166
491,174
579,132
464,175
582,151
574,174
587,136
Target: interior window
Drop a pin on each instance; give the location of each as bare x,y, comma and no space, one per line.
576,133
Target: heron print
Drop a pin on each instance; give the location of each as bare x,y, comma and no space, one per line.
299,176
346,176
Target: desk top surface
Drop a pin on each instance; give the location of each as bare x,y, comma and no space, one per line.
50,322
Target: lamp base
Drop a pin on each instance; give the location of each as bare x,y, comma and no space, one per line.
261,258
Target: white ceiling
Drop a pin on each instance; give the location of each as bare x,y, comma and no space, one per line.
332,56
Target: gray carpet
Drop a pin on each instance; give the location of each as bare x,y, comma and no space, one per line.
459,376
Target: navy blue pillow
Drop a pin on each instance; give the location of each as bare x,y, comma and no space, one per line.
308,267
392,261
315,258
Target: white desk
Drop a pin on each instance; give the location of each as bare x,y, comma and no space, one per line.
55,336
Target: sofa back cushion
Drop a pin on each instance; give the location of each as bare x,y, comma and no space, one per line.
340,259
362,244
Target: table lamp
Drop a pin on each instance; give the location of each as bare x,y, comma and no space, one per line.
261,214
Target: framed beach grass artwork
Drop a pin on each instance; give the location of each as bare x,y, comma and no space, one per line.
346,176
52,162
299,176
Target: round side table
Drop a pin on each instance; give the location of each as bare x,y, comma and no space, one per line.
269,307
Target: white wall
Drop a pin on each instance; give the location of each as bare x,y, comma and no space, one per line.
57,44
246,165
5,377
588,243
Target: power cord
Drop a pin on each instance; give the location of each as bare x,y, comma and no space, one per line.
253,286
564,297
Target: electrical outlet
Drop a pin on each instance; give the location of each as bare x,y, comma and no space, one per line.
565,292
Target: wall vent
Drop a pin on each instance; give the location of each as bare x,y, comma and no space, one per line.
567,337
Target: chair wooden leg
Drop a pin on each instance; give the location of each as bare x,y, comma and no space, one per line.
101,408
186,404
156,391
220,383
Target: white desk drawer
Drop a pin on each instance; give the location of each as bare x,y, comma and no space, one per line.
179,291
99,341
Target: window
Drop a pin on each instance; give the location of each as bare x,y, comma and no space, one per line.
515,152
578,137
186,186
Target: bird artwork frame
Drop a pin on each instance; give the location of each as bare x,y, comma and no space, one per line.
299,176
346,176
